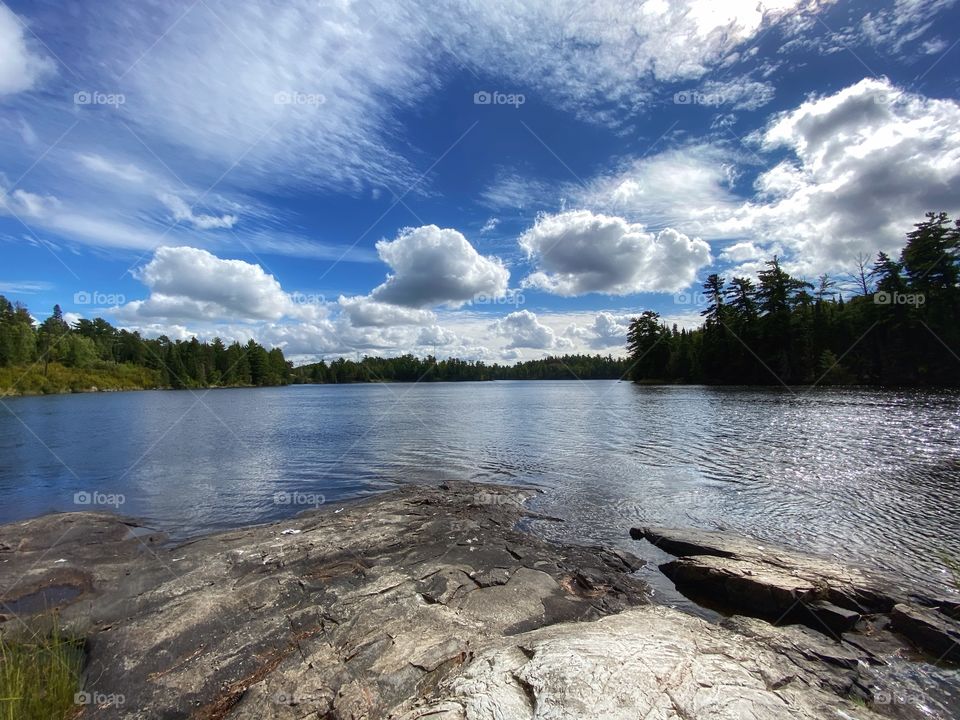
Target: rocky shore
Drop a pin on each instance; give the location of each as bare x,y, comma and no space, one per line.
428,602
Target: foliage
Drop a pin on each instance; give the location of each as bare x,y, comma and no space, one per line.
54,357
39,675
901,329
408,368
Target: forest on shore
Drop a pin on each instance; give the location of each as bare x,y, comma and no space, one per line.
409,368
55,357
899,326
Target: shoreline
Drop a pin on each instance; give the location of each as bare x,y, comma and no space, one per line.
432,600
5,393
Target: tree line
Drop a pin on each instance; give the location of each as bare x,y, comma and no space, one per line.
409,368
55,353
899,326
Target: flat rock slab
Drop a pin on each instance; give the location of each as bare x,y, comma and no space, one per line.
869,619
357,611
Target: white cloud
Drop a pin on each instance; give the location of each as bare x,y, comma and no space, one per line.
320,84
863,165
742,252
893,28
739,93
25,287
609,330
27,204
686,188
120,171
523,330
596,57
125,224
182,212
867,162
512,191
191,284
490,225
433,266
436,336
22,66
365,312
580,252
313,102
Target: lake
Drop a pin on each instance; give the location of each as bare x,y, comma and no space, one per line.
871,476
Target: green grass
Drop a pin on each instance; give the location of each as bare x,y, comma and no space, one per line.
32,380
40,674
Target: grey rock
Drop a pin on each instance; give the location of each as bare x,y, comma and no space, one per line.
930,631
424,602
648,662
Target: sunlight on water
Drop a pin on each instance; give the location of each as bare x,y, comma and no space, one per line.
867,475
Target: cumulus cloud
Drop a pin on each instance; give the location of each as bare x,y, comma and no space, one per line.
580,252
365,312
609,330
436,336
433,266
865,164
182,212
523,330
22,66
189,283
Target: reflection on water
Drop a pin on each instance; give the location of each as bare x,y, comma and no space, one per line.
863,474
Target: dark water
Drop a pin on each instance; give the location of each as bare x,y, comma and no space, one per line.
871,476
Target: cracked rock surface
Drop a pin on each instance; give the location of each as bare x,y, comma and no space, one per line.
422,602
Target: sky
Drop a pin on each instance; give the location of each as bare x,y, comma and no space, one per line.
485,179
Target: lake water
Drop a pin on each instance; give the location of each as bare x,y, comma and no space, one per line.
866,475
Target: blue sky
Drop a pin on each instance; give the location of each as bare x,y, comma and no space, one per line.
491,180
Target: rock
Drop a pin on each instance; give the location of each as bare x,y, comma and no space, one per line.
713,558
648,662
426,601
852,612
357,613
837,620
929,631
